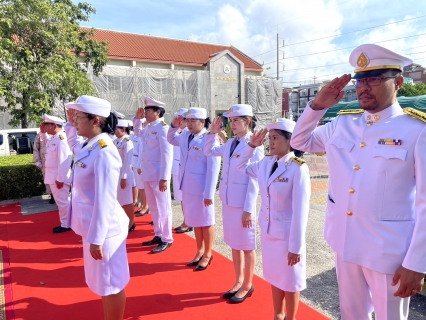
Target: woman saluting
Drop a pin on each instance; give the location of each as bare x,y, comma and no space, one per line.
285,189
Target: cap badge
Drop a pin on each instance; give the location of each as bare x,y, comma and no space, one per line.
276,120
362,61
230,110
188,113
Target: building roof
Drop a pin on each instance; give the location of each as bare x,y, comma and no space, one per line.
138,47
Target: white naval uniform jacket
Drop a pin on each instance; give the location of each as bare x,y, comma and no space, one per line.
285,197
58,159
125,149
200,172
136,151
157,153
95,213
236,189
377,215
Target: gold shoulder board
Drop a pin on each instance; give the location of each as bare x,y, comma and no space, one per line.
102,143
416,114
350,111
61,137
268,154
127,138
164,123
297,160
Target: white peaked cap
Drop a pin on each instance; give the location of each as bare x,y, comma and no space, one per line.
93,105
52,119
118,114
368,57
239,110
282,124
196,113
130,122
181,112
122,123
153,103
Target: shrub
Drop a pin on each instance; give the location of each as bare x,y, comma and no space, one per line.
20,178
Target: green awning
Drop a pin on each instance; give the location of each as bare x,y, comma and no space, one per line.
417,102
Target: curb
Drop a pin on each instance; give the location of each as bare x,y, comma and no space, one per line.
24,200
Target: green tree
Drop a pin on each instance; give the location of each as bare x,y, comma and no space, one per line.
410,90
44,55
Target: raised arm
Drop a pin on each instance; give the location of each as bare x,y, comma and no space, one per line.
253,185
245,165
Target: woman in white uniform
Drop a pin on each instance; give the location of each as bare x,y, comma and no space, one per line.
197,180
285,189
238,193
95,213
125,185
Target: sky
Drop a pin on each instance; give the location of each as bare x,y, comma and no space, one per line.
316,37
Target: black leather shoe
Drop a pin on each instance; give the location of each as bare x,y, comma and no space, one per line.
56,228
61,229
201,268
194,263
161,247
181,230
155,240
52,200
151,223
229,294
234,299
133,227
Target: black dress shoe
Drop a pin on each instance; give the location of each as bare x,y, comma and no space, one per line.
56,228
194,263
201,268
161,247
151,223
133,227
229,294
155,240
52,200
61,229
234,299
181,230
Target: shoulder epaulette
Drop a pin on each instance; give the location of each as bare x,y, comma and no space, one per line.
102,143
350,111
61,137
415,114
268,154
297,160
127,138
164,123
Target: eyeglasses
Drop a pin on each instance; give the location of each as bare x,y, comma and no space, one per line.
76,118
372,81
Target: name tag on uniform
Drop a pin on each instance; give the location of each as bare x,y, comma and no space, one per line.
236,156
81,164
153,132
390,142
281,180
196,148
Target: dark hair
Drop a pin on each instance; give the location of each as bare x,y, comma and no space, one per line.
252,122
155,108
207,122
107,125
287,135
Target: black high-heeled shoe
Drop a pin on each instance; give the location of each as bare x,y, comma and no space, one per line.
229,294
249,293
133,227
193,263
201,268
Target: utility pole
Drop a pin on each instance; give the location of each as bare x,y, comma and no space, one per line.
278,56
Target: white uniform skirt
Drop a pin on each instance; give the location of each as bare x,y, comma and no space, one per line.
125,196
235,236
138,179
177,193
275,265
196,214
110,275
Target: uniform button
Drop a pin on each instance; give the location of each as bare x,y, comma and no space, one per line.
376,118
351,190
227,173
368,117
356,167
226,183
267,208
362,144
369,124
349,213
267,219
267,196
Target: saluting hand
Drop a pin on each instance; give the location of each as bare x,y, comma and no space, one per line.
410,282
293,259
216,125
208,202
70,115
123,183
140,113
96,252
331,94
162,185
139,171
177,121
258,138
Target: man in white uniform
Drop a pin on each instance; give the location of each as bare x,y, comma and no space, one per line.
58,168
39,154
376,211
157,158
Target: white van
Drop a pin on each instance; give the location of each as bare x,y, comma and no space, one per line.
17,141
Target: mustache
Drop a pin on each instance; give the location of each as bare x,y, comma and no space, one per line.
366,94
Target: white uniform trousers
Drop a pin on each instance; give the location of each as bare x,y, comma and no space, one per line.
62,201
177,193
160,207
362,291
48,190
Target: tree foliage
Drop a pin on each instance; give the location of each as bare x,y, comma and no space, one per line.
410,90
45,54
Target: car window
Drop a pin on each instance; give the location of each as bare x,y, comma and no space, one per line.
1,139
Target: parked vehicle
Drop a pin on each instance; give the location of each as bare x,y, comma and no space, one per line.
17,141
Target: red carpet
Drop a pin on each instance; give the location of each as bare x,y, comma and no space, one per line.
47,277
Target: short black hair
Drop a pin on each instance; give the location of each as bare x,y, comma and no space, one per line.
156,108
